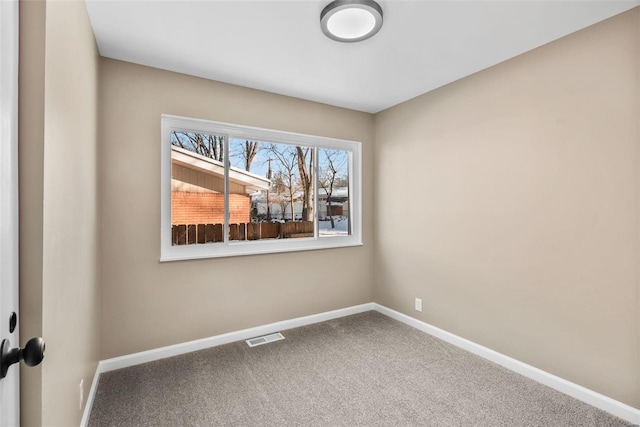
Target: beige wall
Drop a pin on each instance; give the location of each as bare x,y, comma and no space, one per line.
148,304
521,230
521,233
59,206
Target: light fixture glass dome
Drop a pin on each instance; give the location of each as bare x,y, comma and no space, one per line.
351,20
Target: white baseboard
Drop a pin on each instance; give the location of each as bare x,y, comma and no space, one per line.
619,409
92,394
576,391
201,344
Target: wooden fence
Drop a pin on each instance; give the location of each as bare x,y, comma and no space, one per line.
188,234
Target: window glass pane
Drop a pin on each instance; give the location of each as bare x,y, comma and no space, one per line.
279,181
197,188
230,190
333,192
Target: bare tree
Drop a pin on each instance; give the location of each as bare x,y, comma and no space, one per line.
248,152
280,188
333,164
305,169
211,146
287,160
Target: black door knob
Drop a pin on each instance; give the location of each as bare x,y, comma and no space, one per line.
32,354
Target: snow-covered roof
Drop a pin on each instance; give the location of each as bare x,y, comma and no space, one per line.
261,197
337,192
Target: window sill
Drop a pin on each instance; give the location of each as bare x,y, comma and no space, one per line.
222,250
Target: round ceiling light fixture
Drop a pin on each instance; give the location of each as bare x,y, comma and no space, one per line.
351,20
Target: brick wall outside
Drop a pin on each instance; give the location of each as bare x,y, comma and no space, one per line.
208,208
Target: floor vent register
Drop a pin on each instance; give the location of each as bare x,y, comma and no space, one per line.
265,339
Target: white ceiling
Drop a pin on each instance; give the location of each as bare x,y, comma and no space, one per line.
277,46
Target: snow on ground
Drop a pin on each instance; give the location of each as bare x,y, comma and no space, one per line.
341,227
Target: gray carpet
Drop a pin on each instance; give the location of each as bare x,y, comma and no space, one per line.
361,370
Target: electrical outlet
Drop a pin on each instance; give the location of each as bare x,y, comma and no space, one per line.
81,394
418,304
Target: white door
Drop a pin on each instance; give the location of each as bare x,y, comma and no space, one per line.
10,384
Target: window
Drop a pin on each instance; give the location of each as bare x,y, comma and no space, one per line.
234,190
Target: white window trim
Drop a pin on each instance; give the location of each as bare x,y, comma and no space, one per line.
169,252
